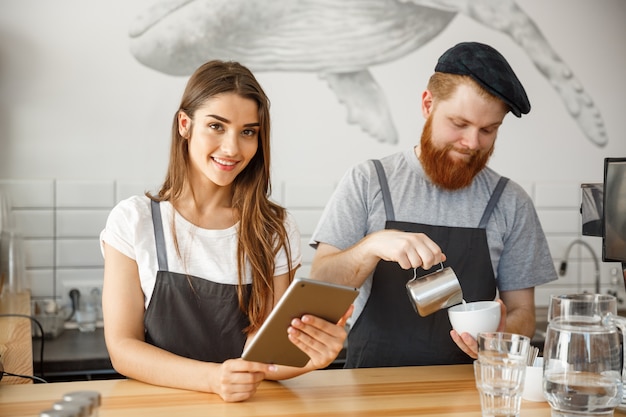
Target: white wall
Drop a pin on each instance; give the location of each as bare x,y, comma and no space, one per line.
76,107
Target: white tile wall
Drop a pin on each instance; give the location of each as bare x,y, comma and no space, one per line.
307,219
27,193
61,221
555,195
86,194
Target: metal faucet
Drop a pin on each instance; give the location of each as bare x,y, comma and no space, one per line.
563,267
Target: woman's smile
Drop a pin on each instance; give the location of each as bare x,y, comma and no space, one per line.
225,164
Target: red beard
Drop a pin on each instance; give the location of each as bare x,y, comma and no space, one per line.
444,171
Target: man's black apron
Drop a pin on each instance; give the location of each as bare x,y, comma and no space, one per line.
389,332
191,316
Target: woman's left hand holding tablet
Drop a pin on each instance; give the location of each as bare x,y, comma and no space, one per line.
238,379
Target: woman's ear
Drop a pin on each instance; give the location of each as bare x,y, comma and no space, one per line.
184,125
427,103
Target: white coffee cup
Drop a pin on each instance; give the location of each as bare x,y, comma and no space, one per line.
475,317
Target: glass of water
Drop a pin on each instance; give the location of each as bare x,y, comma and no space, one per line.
500,385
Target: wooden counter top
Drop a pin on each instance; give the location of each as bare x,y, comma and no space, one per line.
405,391
16,338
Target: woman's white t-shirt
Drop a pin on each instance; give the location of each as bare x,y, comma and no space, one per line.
205,253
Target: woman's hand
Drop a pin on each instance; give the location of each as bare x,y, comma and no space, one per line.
238,380
319,339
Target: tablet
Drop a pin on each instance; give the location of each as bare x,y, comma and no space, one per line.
303,296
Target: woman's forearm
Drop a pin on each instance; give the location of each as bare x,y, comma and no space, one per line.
141,361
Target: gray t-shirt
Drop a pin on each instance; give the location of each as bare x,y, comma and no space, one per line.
517,245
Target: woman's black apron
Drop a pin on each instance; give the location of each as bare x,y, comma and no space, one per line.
191,316
389,332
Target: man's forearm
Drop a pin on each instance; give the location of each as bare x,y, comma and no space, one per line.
349,267
521,321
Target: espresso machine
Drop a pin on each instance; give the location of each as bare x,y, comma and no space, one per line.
603,211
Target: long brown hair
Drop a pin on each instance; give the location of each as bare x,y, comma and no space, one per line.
262,232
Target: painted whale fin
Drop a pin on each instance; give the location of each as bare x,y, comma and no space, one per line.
365,102
507,17
578,102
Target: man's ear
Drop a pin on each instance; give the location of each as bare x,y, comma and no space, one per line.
184,125
427,103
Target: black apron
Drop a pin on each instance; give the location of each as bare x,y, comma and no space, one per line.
389,332
191,316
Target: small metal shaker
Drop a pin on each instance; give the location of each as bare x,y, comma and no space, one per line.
434,291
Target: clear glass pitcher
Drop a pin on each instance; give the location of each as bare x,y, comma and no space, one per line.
583,355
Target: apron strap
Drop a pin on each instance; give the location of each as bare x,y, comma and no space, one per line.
158,235
497,192
384,185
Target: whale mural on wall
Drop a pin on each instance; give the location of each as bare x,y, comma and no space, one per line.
339,40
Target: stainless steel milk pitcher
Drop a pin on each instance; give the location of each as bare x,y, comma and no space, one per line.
434,291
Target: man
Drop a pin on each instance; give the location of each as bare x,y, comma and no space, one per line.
437,203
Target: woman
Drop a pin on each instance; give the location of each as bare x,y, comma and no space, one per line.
191,272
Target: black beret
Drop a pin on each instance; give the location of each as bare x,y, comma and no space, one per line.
489,69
